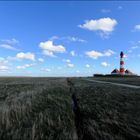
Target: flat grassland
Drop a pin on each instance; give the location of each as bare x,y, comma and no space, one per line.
125,80
40,109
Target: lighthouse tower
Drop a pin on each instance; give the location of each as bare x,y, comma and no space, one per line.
122,63
122,71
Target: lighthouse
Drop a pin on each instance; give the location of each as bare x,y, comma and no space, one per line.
122,71
122,63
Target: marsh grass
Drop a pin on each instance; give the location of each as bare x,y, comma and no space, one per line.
36,112
108,112
40,109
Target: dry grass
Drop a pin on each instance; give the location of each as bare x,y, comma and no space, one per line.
35,111
40,109
108,112
126,80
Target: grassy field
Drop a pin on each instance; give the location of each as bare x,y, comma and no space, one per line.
35,109
127,80
40,109
108,112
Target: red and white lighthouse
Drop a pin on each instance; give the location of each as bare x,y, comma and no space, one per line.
122,63
122,71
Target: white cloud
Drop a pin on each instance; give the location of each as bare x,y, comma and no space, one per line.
10,58
95,54
134,47
25,66
137,27
68,39
49,48
70,65
73,53
28,56
9,47
105,10
125,56
74,39
48,53
54,38
3,67
108,53
20,67
87,66
67,60
46,69
3,61
77,71
5,71
40,59
10,41
104,25
104,35
105,64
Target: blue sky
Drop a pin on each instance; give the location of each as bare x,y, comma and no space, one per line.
68,38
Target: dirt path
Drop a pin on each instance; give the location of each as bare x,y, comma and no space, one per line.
112,83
